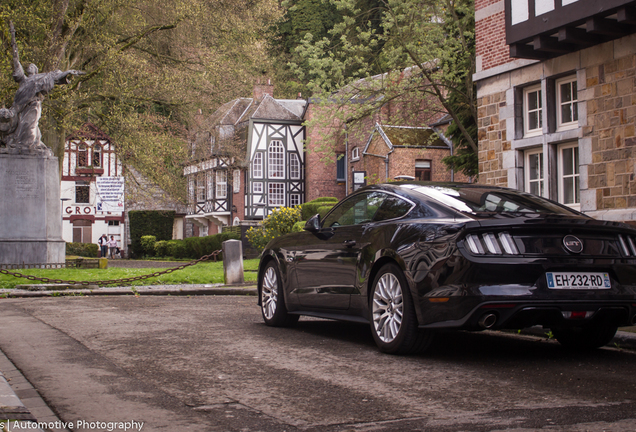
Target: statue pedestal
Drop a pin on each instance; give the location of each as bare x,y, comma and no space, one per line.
30,211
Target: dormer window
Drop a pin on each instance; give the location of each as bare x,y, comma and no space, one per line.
97,155
82,155
355,154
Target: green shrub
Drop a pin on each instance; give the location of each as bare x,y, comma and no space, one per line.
158,223
193,247
88,250
324,199
299,226
148,244
161,248
279,222
176,249
312,207
324,209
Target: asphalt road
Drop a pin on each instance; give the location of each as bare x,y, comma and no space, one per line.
209,364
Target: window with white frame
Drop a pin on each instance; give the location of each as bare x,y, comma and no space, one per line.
257,187
276,160
276,194
221,184
257,166
567,103
200,187
82,192
294,166
532,111
236,180
97,155
534,172
568,174
294,199
355,154
191,186
82,155
209,180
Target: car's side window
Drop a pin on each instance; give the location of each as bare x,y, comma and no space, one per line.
358,209
392,208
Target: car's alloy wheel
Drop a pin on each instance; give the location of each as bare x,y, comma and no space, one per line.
388,308
269,293
273,299
393,321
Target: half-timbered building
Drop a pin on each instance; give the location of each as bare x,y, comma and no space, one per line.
247,159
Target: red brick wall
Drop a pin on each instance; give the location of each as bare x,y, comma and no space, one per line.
323,144
490,34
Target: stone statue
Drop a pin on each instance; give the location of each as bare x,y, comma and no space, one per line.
19,130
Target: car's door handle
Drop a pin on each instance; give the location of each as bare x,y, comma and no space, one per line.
349,243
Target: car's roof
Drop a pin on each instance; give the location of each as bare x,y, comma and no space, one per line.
475,199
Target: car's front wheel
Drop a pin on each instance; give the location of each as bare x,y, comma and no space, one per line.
584,338
273,298
393,320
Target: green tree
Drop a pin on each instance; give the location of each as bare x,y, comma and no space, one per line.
151,66
425,50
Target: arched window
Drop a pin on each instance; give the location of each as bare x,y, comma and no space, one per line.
355,154
276,160
97,155
82,155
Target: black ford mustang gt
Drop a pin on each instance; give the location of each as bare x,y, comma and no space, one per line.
410,257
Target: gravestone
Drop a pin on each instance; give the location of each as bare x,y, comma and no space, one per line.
30,206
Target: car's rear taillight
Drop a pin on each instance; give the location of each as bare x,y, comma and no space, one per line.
489,243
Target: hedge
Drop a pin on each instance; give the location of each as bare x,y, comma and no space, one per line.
88,250
157,223
193,247
313,207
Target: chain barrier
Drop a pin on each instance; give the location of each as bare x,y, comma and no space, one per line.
112,281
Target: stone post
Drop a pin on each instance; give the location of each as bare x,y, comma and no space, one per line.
233,262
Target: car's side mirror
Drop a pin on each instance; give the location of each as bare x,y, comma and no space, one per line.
313,224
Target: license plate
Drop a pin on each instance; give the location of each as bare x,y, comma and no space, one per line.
563,280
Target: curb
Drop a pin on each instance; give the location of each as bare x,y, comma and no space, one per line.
13,410
223,290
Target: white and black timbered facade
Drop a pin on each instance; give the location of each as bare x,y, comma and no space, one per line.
212,185
276,177
265,137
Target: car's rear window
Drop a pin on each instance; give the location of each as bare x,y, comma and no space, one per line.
477,200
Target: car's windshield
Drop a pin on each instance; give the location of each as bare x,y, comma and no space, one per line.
471,199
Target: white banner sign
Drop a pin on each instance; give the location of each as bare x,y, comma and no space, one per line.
110,194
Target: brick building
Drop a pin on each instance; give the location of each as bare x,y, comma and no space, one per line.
556,90
256,154
374,149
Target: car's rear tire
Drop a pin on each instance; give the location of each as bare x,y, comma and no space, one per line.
584,338
273,298
393,320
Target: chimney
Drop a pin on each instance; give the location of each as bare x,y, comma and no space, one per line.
260,90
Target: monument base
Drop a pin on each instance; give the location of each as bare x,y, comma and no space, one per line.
30,211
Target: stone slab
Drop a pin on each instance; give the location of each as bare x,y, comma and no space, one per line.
30,210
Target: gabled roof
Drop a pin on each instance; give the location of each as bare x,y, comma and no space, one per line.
88,131
280,109
242,109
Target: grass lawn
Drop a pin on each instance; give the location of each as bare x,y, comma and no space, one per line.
201,273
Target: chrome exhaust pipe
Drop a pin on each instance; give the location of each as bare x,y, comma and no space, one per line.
488,321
